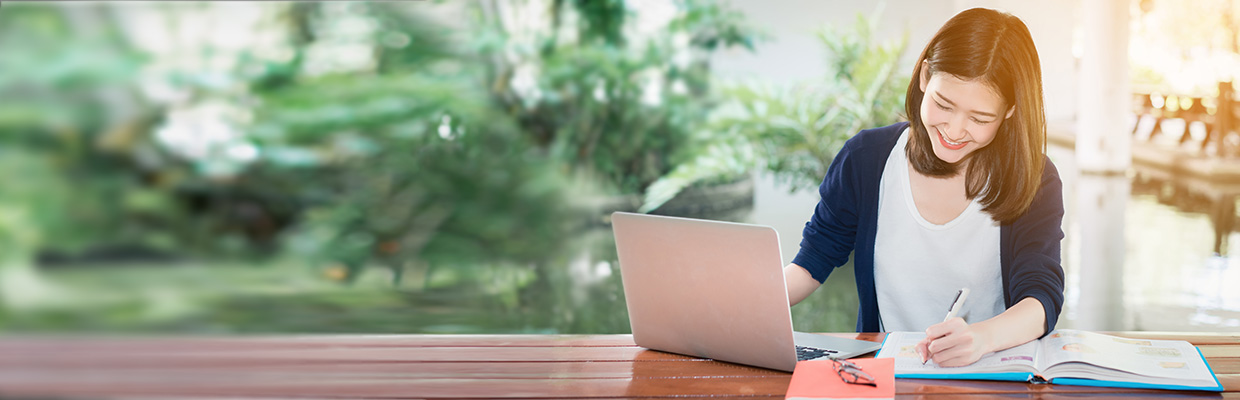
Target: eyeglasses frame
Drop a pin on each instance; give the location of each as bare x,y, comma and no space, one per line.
843,366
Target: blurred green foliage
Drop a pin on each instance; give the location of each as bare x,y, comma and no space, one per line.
439,176
795,131
67,72
555,297
616,108
799,130
409,163
440,142
453,151
438,156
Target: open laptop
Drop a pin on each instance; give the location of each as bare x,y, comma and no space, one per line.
714,290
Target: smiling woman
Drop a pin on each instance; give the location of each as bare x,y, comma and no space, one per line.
971,202
990,66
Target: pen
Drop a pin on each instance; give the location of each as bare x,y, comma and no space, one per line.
951,312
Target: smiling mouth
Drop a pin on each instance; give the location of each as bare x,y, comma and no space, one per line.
948,143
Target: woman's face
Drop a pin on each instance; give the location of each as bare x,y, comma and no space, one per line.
960,116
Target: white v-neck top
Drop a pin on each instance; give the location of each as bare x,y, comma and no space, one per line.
919,265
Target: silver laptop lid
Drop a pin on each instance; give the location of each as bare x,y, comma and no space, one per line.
705,288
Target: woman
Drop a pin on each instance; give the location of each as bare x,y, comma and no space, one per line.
962,195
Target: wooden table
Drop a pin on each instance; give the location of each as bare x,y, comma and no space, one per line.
457,366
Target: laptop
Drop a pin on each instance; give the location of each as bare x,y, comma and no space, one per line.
714,290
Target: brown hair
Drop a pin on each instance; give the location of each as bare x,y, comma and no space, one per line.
994,48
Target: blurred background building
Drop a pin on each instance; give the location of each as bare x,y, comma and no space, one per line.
448,167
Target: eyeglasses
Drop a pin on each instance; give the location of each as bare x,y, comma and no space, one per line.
852,373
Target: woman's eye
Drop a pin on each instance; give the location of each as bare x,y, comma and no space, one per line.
980,122
941,106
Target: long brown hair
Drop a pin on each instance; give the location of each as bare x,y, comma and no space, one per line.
994,48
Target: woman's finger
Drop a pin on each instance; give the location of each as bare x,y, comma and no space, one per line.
946,328
945,343
923,349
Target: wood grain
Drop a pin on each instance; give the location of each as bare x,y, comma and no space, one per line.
461,366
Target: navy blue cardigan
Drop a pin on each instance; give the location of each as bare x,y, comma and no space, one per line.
846,220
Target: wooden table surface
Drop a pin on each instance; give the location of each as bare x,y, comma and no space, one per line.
458,366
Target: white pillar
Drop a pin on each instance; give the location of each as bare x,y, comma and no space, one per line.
1101,202
1103,142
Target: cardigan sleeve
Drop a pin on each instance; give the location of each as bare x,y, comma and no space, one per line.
831,233
1035,268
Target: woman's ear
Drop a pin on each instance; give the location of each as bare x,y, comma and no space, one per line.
924,77
1011,110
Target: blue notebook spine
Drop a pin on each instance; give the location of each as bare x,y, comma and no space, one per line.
988,376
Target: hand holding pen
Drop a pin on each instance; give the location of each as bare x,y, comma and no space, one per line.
923,348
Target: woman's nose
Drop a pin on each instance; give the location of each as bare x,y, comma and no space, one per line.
955,129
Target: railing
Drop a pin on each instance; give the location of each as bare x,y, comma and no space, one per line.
1218,113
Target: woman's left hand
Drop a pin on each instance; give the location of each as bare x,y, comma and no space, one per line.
953,343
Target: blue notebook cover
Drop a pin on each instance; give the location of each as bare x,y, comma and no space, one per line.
1028,377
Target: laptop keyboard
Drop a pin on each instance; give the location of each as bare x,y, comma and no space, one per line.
810,353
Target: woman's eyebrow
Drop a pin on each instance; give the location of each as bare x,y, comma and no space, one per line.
953,104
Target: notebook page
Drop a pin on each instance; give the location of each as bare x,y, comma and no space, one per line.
1170,359
902,347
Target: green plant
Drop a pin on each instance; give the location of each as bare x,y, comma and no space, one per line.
799,131
601,98
794,132
409,163
75,118
413,169
425,145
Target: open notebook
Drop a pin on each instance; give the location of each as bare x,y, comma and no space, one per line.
1070,357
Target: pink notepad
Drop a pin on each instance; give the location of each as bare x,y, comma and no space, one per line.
816,379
